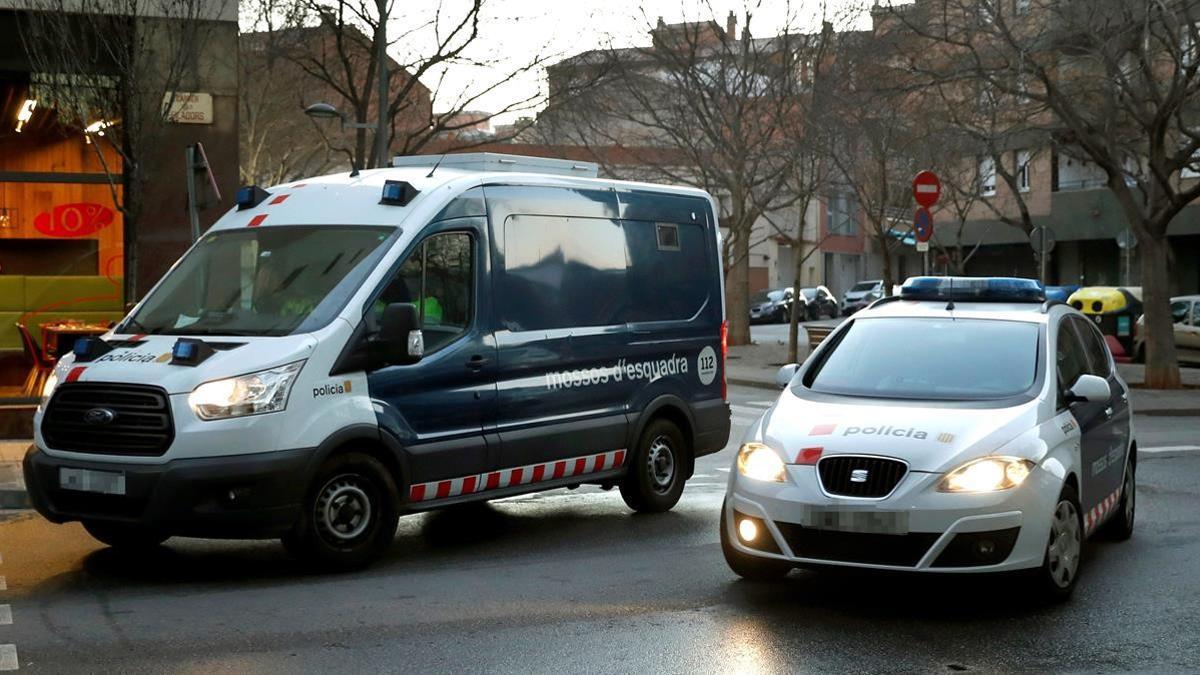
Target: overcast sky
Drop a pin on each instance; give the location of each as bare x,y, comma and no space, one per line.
515,32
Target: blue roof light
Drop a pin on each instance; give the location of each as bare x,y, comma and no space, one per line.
397,193
973,289
184,351
250,196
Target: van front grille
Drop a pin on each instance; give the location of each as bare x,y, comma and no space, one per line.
110,419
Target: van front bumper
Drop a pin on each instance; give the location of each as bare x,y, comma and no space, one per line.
235,497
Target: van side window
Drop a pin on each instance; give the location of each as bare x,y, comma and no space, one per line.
437,277
668,285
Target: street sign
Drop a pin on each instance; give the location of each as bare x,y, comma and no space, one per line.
1126,239
923,225
922,246
1042,240
927,189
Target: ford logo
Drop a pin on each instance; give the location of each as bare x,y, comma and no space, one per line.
98,416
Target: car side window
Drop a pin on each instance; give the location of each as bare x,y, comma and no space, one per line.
437,277
1070,360
1196,314
1179,312
1094,347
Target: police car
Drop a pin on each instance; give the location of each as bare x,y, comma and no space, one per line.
966,425
340,351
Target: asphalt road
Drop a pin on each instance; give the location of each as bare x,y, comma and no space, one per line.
571,581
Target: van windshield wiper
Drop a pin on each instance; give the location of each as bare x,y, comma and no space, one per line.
137,326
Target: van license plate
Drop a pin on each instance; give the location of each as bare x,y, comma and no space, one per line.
871,522
86,480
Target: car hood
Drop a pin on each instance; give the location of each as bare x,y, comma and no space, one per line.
930,437
147,360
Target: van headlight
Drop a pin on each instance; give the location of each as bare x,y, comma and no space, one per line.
987,474
760,462
48,390
262,392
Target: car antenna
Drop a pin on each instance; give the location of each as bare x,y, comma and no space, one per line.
435,166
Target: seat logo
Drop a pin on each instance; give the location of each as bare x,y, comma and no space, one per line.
859,476
99,416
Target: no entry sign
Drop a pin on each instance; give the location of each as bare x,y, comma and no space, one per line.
923,224
926,188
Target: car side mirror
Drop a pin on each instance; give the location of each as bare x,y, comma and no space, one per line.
400,334
785,375
1089,388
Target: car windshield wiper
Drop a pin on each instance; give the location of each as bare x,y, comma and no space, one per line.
138,327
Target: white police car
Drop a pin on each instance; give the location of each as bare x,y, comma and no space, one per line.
964,426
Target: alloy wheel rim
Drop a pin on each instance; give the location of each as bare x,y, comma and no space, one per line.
344,509
1065,544
660,461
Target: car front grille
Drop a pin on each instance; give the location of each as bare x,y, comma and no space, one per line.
137,420
860,476
900,550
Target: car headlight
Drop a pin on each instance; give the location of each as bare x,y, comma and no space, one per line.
987,474
48,389
262,392
759,462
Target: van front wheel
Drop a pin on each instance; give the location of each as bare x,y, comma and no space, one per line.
350,514
654,482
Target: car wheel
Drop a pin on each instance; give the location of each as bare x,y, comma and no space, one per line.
124,535
750,567
655,478
1060,566
350,514
1120,526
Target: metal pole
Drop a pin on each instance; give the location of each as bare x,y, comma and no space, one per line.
1042,257
193,209
381,127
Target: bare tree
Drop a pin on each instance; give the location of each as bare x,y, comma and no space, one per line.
111,69
1121,81
702,106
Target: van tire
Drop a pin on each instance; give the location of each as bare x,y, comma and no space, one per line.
657,468
349,515
124,535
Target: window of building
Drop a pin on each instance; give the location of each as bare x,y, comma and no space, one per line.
1023,170
841,214
987,176
1022,7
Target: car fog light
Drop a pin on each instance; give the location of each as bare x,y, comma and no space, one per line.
747,530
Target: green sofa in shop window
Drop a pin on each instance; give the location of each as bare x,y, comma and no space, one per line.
34,300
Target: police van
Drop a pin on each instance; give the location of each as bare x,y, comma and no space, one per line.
340,351
965,426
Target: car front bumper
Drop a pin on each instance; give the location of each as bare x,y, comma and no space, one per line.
942,532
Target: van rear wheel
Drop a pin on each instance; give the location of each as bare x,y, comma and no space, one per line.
654,482
349,514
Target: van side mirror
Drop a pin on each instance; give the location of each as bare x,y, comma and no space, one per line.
785,375
1089,388
400,334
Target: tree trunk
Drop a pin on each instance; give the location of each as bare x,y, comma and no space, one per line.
794,319
737,292
1162,365
889,278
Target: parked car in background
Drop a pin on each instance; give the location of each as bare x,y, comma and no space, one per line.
862,294
1185,313
818,302
771,306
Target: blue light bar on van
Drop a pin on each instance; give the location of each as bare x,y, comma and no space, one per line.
973,289
398,193
250,196
89,349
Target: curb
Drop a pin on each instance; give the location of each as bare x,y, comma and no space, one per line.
14,499
759,384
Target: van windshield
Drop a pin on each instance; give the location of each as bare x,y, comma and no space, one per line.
262,281
931,359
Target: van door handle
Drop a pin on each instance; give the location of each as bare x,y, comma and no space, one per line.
477,361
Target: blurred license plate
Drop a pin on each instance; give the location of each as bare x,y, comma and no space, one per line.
872,522
86,480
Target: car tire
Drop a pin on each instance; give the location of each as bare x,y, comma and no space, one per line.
1059,573
349,517
655,478
124,535
749,567
1120,526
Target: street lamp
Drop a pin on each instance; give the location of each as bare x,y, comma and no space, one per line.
326,111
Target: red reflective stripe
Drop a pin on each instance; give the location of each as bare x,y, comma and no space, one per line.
538,472
468,485
515,478
75,373
443,489
599,463
493,480
257,220
278,200
416,493
580,466
137,338
620,459
560,468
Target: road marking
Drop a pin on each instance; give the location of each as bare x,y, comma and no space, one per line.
744,421
761,404
1171,448
5,615
723,469
8,657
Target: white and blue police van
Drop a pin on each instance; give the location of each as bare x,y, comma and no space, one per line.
965,426
340,351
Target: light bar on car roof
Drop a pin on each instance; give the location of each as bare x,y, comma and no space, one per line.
973,289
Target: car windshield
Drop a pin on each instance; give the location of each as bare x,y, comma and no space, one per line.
932,359
767,296
864,286
808,293
262,281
